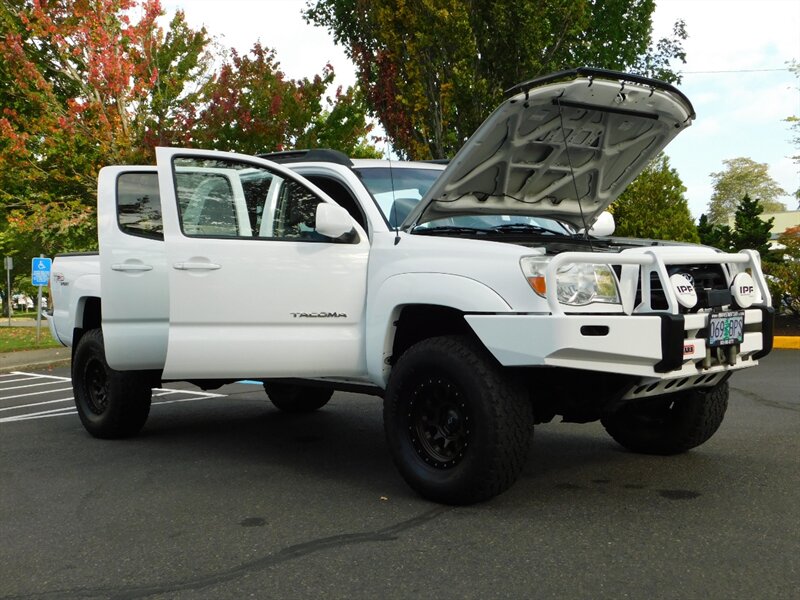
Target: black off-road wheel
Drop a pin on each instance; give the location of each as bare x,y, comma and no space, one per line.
292,398
670,424
111,404
458,426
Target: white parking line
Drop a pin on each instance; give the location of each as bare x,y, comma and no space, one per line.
192,392
70,410
37,375
69,389
21,387
31,418
184,400
36,404
41,414
5,381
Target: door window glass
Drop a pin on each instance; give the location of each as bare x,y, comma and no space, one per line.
207,203
227,198
139,205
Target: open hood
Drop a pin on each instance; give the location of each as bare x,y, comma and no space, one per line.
560,145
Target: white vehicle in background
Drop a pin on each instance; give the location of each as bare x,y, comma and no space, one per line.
471,297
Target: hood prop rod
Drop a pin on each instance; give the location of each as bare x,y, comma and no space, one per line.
572,174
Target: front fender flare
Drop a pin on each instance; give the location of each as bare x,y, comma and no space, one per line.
441,289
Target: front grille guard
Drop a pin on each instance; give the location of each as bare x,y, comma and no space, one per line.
636,269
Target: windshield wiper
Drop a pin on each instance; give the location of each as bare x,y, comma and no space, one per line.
447,229
528,228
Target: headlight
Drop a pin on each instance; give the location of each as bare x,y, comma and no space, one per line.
577,284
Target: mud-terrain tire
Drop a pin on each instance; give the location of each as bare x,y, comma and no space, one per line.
111,404
670,424
458,426
292,398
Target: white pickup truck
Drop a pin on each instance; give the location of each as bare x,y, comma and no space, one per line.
472,298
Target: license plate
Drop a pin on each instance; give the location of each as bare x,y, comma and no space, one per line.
726,328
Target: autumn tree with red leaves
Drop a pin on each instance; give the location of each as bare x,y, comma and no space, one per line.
87,83
251,107
84,83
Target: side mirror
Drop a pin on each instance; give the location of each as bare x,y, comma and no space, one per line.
332,221
604,225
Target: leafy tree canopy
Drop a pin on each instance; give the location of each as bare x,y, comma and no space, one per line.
794,121
86,83
716,236
749,230
784,273
743,176
654,206
250,106
432,70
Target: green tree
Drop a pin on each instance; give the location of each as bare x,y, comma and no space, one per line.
654,205
742,176
794,121
705,230
432,70
784,273
716,236
749,230
84,84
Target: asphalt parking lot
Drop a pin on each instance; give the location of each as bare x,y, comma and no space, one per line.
223,496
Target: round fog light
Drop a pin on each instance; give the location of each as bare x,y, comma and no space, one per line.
743,290
684,289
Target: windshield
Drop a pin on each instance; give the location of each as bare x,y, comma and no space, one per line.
397,190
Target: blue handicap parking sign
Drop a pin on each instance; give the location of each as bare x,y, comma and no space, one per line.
40,267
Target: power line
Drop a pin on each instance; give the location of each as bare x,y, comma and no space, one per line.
732,71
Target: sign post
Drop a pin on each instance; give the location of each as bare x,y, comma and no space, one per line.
40,270
9,266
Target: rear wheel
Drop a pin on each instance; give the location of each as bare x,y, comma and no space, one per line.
110,403
669,424
457,427
292,398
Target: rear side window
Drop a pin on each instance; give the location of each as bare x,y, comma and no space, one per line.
139,205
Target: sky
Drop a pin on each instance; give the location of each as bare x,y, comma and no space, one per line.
735,74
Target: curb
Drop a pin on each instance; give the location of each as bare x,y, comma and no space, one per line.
34,359
786,342
45,364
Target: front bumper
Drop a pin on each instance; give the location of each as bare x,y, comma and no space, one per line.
656,346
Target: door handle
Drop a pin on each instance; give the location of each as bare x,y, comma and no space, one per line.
136,267
196,266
